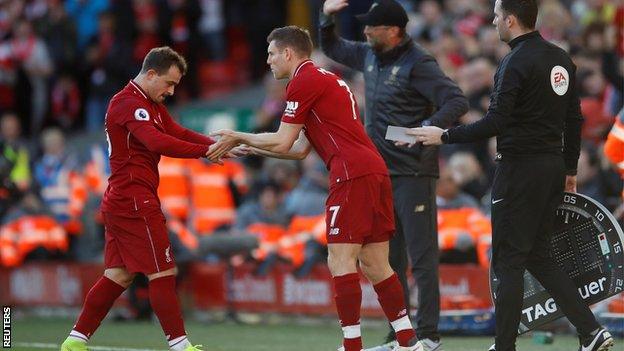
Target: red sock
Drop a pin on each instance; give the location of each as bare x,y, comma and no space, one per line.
348,302
390,295
98,302
164,301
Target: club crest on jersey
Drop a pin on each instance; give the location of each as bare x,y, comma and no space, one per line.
140,114
559,80
291,108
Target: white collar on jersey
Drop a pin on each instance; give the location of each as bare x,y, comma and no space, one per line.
301,65
137,87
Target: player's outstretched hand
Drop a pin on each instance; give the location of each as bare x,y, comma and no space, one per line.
239,151
332,6
226,141
429,135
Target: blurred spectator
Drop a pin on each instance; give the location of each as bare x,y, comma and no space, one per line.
85,14
59,33
614,150
31,55
259,23
308,197
593,95
476,79
60,183
588,176
463,230
29,233
266,218
595,10
15,150
15,175
468,174
554,21
212,29
174,188
65,101
179,25
225,183
432,22
146,18
490,46
449,194
266,208
104,71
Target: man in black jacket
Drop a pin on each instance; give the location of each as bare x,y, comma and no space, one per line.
534,105
404,87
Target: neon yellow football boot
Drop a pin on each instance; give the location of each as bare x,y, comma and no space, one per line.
74,345
194,348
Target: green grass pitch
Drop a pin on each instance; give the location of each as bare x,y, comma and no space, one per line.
33,334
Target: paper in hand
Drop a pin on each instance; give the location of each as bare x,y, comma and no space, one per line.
398,134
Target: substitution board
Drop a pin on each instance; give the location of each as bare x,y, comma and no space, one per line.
587,245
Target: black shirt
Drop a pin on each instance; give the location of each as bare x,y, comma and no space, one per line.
534,108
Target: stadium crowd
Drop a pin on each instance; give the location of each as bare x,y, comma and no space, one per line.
60,62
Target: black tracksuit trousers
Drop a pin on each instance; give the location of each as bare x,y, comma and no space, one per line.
526,192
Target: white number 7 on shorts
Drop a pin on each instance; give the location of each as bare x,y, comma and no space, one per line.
334,210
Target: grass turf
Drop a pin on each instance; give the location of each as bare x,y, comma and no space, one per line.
26,332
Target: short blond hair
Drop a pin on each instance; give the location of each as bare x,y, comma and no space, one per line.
161,59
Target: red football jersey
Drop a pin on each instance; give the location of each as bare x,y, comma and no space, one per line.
138,131
324,104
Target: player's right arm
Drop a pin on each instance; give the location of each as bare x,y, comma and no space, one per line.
299,150
349,53
137,120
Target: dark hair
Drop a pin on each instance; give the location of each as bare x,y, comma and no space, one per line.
294,37
524,10
161,59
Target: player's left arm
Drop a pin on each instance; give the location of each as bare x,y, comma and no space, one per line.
174,129
299,150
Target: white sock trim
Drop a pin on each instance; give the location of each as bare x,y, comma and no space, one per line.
402,323
351,331
179,343
78,336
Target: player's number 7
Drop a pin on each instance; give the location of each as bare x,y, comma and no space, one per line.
343,84
334,211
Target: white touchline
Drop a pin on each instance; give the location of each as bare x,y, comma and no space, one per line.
39,345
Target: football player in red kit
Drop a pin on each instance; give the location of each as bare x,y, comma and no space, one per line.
321,112
138,130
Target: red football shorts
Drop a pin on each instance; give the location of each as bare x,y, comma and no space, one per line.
360,211
140,244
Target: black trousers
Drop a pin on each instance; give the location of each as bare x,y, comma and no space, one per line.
525,195
417,235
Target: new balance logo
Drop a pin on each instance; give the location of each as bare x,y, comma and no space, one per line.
291,108
402,313
334,231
